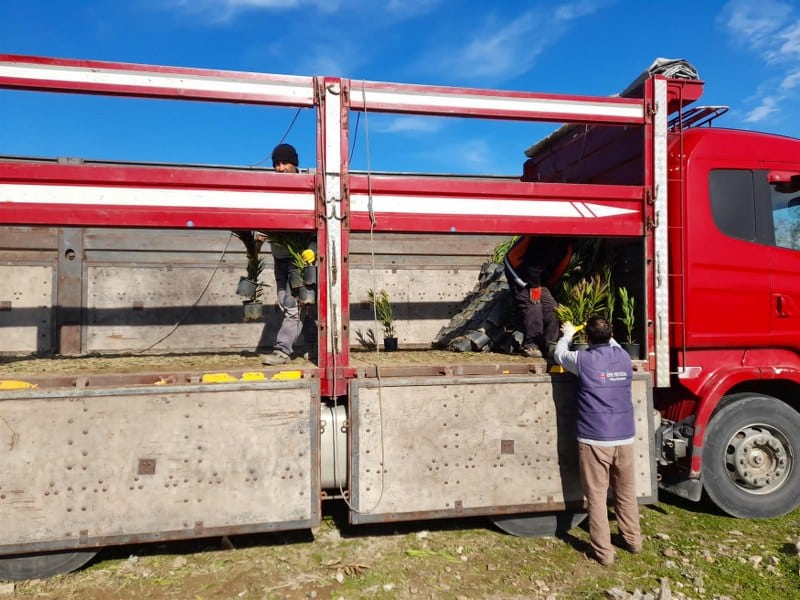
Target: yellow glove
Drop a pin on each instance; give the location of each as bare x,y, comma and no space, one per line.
308,256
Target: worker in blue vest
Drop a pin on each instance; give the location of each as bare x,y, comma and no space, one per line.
605,431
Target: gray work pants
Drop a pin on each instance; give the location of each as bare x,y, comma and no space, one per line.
296,319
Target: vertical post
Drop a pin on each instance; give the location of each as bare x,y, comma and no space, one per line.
660,211
69,291
334,297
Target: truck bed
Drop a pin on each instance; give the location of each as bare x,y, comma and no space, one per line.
104,370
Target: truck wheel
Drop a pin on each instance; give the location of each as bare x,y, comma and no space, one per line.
750,457
41,566
539,524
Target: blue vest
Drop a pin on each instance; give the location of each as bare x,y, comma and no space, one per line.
605,408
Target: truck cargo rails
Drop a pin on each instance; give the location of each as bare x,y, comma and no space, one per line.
702,220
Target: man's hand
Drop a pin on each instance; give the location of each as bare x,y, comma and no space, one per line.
568,329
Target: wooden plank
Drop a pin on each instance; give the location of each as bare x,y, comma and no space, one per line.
28,238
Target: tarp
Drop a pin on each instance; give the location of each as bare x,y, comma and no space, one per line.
674,68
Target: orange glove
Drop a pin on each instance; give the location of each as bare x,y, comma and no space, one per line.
536,295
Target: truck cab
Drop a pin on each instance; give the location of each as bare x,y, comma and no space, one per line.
734,256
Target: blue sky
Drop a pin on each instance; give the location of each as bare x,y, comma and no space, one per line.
747,52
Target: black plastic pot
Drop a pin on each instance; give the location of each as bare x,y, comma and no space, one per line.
305,295
632,350
246,287
295,278
310,275
253,311
390,344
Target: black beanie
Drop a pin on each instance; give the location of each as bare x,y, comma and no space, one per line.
284,153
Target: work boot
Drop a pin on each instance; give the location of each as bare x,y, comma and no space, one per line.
278,357
605,561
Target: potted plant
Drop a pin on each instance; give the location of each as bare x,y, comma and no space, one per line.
628,319
250,286
581,300
383,311
303,275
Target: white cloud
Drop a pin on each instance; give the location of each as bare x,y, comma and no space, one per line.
767,107
499,49
407,125
224,11
411,8
755,24
789,39
791,81
575,10
771,30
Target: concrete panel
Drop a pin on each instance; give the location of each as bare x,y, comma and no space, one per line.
131,307
424,448
156,463
26,308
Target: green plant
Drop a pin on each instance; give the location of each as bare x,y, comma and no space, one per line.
581,300
383,310
628,308
589,256
292,243
611,299
255,264
500,251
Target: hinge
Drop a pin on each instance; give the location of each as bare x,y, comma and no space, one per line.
649,112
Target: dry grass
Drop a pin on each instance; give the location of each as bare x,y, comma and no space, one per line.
697,552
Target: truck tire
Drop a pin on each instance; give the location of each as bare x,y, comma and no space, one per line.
750,457
550,524
42,566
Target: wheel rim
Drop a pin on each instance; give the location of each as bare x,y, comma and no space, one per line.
758,459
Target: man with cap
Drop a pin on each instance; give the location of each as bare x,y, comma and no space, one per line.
297,318
284,159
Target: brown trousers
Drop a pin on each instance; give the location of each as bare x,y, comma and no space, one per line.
602,466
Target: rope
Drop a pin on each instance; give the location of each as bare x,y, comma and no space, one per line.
283,138
373,222
193,305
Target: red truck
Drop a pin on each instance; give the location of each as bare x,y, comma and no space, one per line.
705,219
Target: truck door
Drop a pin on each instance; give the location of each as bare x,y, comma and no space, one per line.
782,191
729,287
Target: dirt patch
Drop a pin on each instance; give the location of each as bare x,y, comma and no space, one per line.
247,361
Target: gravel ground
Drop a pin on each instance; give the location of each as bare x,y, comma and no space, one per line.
690,552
